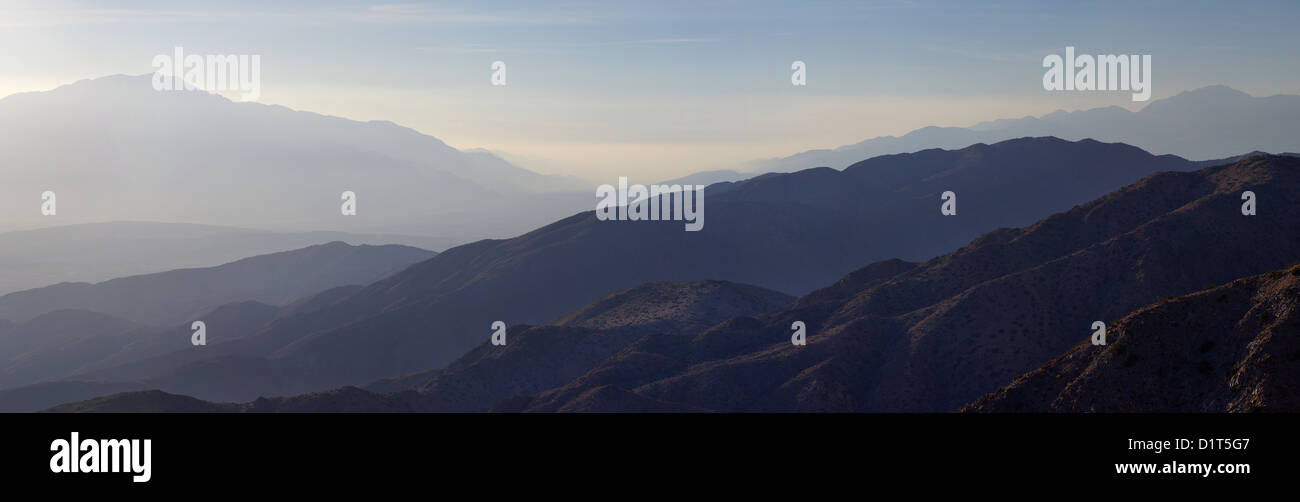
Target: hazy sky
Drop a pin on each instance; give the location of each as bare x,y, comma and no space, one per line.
660,88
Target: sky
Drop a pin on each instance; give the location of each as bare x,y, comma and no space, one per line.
660,89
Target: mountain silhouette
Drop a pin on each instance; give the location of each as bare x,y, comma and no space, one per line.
179,296
97,252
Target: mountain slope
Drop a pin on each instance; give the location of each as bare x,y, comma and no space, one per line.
542,357
535,357
942,333
179,296
674,307
97,252
97,348
1232,348
36,397
56,335
150,401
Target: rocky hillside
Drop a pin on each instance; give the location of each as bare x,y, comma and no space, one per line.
1232,348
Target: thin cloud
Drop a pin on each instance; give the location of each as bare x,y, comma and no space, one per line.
990,56
667,41
427,14
555,47
44,17
462,49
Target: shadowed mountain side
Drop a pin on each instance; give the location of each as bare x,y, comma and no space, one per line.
440,309
942,333
227,327
98,363
58,328
180,296
686,307
536,357
231,326
1009,184
1233,348
149,401
57,342
542,357
36,397
91,347
236,341
97,252
156,401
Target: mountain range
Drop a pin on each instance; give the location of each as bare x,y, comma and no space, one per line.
788,232
894,335
1175,125
133,328
201,158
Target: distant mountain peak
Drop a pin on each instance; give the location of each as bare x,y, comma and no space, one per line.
1178,125
1218,90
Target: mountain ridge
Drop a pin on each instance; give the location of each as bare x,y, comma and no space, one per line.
181,294
1172,125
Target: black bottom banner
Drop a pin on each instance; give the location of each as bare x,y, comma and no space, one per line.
547,453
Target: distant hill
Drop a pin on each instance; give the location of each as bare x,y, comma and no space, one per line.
58,331
1231,348
97,252
150,401
711,177
59,336
40,396
89,347
180,296
1176,125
